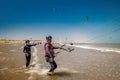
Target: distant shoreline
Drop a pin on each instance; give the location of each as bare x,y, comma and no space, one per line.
18,41
74,43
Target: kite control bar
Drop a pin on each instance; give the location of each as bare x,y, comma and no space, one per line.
68,49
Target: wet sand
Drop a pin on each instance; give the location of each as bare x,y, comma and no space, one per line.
81,64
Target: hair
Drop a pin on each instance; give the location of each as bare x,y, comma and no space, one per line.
27,41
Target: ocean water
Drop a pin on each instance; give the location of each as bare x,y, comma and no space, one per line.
80,64
100,47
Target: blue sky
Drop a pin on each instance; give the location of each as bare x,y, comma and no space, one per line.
65,20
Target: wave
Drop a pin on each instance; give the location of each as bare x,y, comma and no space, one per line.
102,49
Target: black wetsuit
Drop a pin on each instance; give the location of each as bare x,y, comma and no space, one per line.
27,49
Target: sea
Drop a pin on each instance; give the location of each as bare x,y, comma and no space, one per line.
103,47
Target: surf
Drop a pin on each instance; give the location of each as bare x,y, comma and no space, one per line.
102,49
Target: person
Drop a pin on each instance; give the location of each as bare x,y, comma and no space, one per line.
27,51
49,54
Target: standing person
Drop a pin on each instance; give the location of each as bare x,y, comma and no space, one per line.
49,54
27,51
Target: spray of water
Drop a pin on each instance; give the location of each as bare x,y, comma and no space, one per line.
42,71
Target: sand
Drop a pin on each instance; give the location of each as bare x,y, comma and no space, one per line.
81,64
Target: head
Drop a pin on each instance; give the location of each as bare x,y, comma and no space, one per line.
49,38
27,42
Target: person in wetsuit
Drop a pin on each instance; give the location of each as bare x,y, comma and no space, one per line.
49,54
27,51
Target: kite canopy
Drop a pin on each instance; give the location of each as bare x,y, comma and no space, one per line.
54,10
86,18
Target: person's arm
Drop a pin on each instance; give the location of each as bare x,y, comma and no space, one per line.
61,47
54,47
32,45
24,49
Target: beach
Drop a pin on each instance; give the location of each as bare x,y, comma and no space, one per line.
80,64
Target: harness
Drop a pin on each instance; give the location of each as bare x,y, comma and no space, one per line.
50,48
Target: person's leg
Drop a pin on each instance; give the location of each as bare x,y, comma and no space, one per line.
29,58
27,61
52,66
55,65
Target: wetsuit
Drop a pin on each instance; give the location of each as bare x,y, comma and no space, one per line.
27,49
49,53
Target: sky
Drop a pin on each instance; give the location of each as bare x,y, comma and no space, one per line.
65,20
